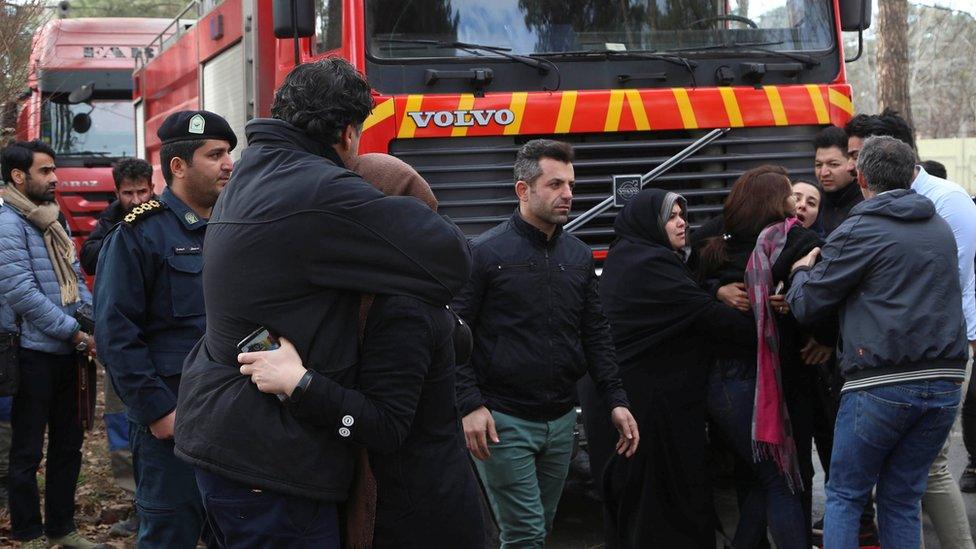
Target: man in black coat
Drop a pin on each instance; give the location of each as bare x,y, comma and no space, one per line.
834,171
133,187
293,242
538,327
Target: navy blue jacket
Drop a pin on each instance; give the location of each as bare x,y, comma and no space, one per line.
149,305
891,270
538,326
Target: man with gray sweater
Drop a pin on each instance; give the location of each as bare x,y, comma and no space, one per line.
890,269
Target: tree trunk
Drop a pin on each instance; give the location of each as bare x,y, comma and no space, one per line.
893,57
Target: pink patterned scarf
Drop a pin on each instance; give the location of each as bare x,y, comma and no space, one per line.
772,434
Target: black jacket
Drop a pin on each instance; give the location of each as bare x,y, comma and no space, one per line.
93,244
836,206
538,326
293,241
403,411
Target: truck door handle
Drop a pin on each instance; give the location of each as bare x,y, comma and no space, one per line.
656,76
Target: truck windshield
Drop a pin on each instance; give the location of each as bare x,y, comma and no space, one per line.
112,131
427,28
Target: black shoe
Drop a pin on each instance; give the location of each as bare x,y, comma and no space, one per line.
968,481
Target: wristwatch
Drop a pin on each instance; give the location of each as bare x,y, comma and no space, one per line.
299,390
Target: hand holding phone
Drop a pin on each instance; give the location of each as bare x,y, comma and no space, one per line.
257,341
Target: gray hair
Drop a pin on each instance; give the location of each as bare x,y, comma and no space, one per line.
886,163
527,160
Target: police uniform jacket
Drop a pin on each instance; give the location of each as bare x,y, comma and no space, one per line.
149,303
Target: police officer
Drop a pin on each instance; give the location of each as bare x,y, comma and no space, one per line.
149,313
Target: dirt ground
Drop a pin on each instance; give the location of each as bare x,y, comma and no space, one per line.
99,503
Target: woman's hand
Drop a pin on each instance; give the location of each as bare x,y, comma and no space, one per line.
276,372
807,261
814,353
779,303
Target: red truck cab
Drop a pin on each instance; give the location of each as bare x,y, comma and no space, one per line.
94,127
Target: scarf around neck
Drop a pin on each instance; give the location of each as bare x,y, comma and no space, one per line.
60,248
772,433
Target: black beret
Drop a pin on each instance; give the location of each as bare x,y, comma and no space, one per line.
189,125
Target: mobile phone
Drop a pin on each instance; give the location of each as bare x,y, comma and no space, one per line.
779,288
258,340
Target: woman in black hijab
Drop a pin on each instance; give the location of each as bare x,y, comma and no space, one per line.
663,324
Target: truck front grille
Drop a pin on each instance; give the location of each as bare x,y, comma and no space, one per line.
472,176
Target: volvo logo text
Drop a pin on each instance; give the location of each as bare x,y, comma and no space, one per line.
478,117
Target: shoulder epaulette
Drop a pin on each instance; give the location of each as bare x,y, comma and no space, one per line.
143,211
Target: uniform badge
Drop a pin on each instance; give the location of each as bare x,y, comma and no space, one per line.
191,217
196,124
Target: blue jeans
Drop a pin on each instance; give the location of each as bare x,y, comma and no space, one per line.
242,517
887,436
171,514
731,399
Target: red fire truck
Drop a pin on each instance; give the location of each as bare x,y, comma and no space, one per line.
80,102
459,85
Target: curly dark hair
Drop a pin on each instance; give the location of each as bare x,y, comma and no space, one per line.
889,122
322,98
133,169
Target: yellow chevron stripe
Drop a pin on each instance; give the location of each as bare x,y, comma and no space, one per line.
776,105
518,108
613,111
464,104
840,101
380,113
567,107
637,109
731,107
685,108
818,104
407,126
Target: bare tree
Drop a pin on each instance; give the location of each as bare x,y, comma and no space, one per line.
126,8
18,21
892,54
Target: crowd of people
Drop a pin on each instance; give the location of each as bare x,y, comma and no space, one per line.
309,355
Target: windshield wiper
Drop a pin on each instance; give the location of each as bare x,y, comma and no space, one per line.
638,54
681,61
754,46
539,64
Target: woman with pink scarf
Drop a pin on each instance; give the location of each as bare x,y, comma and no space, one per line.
749,397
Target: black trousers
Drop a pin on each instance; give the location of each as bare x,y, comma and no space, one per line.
45,400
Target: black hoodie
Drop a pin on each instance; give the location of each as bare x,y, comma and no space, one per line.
293,241
836,206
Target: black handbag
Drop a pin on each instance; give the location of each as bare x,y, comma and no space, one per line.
9,362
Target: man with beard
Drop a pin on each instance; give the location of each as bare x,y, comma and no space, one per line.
149,313
133,187
41,288
538,328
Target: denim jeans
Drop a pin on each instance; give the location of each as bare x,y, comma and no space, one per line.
242,517
731,397
170,508
887,436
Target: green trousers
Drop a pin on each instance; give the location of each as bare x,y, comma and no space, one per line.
525,474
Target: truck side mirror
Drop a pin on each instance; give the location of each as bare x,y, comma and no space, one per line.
81,94
855,15
81,122
293,18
